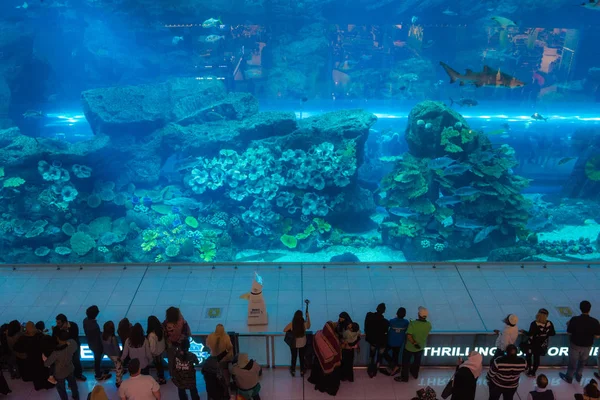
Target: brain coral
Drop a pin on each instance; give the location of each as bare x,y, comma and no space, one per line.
82,243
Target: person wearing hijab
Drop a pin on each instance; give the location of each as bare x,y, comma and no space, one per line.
247,374
32,366
325,374
344,321
465,378
220,344
536,344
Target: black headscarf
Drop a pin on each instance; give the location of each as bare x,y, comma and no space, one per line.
342,326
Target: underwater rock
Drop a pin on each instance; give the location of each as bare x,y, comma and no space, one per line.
207,139
425,142
345,258
236,106
140,110
16,148
514,253
5,97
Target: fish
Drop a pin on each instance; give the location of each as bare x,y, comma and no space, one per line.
24,6
440,162
414,19
382,211
456,169
470,224
496,132
488,77
448,201
565,160
401,211
450,13
592,5
212,22
33,114
464,102
505,126
539,117
503,22
177,39
466,191
484,233
213,38
448,221
537,223
390,158
428,125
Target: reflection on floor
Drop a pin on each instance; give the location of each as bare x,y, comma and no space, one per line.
279,385
459,298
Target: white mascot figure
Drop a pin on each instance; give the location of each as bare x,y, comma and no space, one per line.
257,309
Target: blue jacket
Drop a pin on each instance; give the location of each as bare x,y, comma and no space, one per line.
397,332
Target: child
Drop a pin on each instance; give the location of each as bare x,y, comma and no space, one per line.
350,339
590,391
540,391
110,347
508,336
351,335
183,372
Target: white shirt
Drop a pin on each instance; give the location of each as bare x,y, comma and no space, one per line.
139,388
508,336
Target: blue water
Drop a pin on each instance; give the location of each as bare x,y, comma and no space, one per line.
246,143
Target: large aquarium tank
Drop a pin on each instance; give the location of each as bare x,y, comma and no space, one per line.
185,131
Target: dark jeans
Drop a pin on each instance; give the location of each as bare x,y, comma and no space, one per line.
496,392
193,393
393,360
376,353
97,364
78,371
61,388
160,367
295,352
533,362
414,366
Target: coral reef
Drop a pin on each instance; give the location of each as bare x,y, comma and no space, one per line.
452,190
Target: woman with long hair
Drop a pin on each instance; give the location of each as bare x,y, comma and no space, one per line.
110,348
176,328
220,345
536,344
298,327
156,339
137,346
325,373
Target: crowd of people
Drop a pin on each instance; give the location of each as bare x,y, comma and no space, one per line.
52,359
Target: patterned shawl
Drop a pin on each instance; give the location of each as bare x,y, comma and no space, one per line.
327,348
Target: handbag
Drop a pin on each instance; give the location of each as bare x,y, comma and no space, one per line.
447,392
290,339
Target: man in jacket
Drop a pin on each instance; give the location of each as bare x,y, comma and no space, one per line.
94,339
63,324
376,329
505,371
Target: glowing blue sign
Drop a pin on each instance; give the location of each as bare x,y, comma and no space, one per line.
196,348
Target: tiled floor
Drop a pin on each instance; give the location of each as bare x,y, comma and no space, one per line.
278,385
459,298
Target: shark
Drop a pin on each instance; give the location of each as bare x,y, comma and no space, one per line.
488,77
592,5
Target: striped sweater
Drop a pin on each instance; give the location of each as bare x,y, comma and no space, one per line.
505,371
